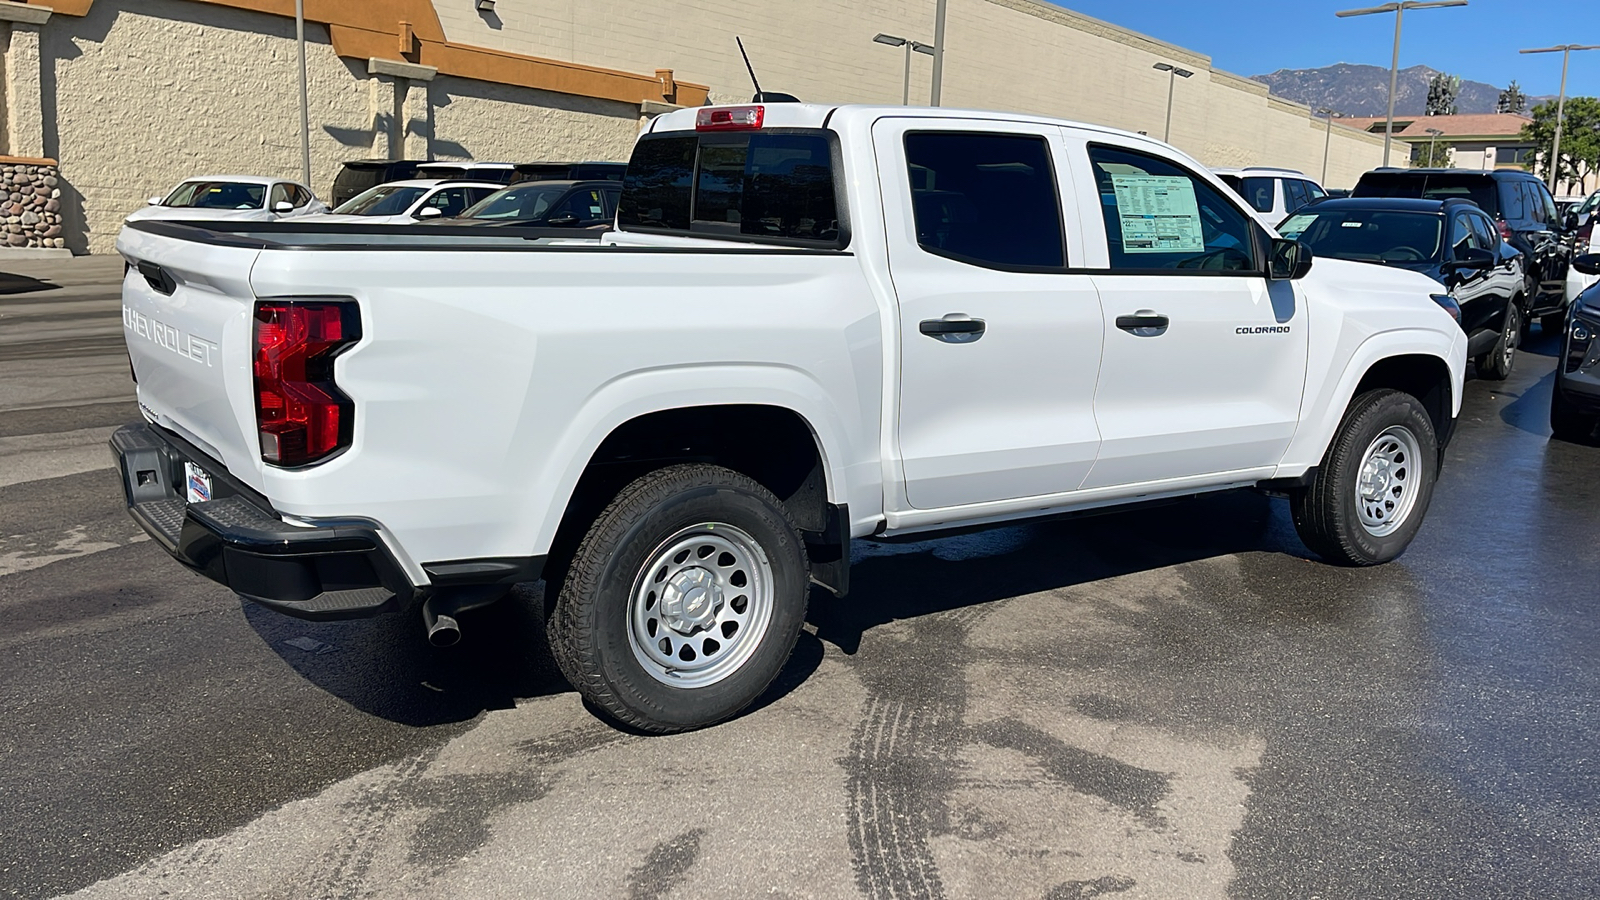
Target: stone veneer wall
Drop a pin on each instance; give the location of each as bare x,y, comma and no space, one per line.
30,202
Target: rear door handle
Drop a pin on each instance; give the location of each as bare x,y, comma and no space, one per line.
954,328
1144,323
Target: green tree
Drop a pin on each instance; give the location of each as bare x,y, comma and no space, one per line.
1442,93
1430,154
1512,100
1580,139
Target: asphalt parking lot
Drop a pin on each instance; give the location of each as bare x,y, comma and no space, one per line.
1170,703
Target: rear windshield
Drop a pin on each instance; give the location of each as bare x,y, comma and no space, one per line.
1367,235
383,200
771,185
216,195
1428,186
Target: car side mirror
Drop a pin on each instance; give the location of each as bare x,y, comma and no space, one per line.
1289,260
1588,263
564,221
1474,258
430,212
1570,222
283,206
154,201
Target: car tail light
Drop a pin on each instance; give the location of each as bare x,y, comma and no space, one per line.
730,118
1505,230
301,416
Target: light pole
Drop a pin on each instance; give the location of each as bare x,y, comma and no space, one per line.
1173,74
1561,101
910,45
1327,141
305,111
1433,136
938,53
1399,10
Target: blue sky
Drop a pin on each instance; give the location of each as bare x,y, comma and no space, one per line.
1479,42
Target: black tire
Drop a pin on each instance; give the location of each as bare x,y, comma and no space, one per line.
1496,365
1567,421
1553,323
594,608
1327,514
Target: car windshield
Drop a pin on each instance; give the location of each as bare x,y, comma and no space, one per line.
516,203
216,195
383,200
1368,235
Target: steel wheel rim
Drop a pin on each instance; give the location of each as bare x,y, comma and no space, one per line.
1513,332
700,605
1388,481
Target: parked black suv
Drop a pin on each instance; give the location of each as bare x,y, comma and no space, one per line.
360,174
1575,401
1523,210
1451,241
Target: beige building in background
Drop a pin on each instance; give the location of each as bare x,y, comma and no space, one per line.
131,96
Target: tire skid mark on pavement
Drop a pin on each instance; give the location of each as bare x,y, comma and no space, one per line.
665,866
341,872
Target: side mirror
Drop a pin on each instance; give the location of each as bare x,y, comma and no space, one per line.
430,212
1289,260
1474,258
1570,222
563,221
154,201
1588,263
283,206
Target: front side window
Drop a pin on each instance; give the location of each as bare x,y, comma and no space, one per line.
986,199
1159,216
1294,194
216,195
776,185
1488,235
280,194
449,201
1462,235
584,205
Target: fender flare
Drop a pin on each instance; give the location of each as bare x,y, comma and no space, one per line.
640,393
1311,440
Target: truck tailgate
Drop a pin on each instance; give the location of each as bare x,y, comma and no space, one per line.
187,315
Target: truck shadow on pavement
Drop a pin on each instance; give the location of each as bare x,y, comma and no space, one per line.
385,667
22,284
894,581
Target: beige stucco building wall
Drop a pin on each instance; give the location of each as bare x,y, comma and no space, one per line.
133,97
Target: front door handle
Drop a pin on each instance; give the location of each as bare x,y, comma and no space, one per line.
954,328
1144,323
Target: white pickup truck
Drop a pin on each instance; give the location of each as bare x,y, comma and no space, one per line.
811,325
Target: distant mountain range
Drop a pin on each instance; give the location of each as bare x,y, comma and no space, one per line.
1353,90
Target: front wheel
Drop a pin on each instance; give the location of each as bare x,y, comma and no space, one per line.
1496,365
683,600
1369,496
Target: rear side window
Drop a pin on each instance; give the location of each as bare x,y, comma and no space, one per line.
1513,201
986,199
1259,193
1294,194
769,185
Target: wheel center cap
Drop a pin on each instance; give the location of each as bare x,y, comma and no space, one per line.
690,600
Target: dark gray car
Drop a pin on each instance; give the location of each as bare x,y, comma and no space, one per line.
1575,401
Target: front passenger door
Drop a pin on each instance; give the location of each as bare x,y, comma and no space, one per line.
1204,359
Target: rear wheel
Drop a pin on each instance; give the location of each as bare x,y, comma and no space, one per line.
683,600
1496,365
1369,496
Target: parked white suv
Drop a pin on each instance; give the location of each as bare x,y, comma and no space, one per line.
815,325
1273,194
412,200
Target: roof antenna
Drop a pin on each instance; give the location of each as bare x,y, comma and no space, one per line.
761,96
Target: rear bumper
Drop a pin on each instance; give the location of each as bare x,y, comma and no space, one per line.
236,539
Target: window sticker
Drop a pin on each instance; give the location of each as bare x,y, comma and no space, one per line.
1296,226
1159,214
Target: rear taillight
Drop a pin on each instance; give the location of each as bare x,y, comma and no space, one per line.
300,414
730,118
1505,230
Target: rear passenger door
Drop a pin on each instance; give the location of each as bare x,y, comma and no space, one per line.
1204,361
999,340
